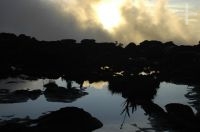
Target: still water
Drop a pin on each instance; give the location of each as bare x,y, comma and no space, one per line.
99,102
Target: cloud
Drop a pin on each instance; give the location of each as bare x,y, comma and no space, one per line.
45,19
142,21
78,19
155,22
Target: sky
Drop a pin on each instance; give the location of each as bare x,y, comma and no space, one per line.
104,20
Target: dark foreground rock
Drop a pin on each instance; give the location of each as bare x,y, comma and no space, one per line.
180,110
182,117
69,119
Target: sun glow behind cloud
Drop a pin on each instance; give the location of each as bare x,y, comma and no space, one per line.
108,13
127,20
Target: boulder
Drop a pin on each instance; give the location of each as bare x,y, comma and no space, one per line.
70,119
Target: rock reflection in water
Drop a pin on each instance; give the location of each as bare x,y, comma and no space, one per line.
52,92
140,91
18,96
194,96
55,93
137,91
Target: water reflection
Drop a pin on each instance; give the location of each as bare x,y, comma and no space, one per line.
18,96
55,93
140,91
149,100
194,96
51,91
137,92
96,85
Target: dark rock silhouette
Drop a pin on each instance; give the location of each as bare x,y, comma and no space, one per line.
177,117
24,54
68,119
71,117
180,110
182,117
88,41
